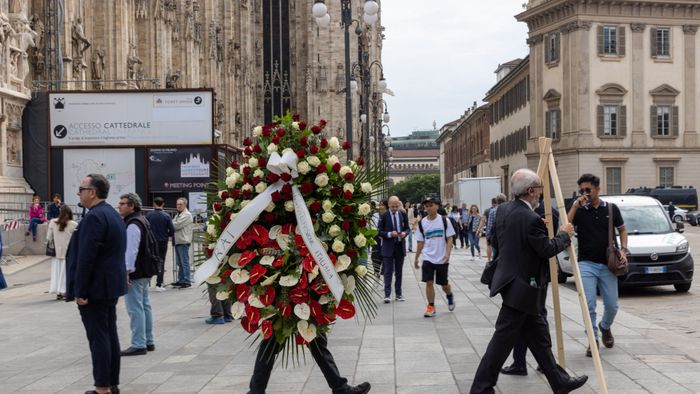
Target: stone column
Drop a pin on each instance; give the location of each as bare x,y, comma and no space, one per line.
690,134
640,116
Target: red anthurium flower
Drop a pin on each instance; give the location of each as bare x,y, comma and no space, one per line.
268,297
256,273
333,257
336,167
315,206
266,329
296,117
303,281
252,313
278,262
299,340
247,141
362,223
300,153
322,320
304,141
242,292
243,242
347,145
320,287
349,177
286,177
347,195
315,129
322,123
272,178
345,309
308,263
335,191
280,133
285,309
257,148
321,168
247,151
248,325
345,225
347,209
246,257
313,149
259,233
324,142
227,273
307,188
316,308
288,228
299,295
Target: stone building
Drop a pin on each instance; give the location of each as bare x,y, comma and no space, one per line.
615,84
414,154
261,57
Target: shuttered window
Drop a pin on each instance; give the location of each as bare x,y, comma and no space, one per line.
661,42
552,50
612,120
553,123
613,180
611,40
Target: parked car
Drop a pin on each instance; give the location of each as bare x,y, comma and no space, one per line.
658,254
679,215
693,217
681,196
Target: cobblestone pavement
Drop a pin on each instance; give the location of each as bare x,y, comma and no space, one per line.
44,349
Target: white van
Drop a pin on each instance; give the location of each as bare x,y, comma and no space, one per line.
658,254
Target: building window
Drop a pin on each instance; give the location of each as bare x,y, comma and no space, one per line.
551,48
663,120
611,40
613,180
553,124
612,120
661,42
665,176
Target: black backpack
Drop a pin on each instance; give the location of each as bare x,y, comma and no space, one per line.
149,258
444,225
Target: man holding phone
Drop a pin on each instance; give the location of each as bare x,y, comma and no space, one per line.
393,228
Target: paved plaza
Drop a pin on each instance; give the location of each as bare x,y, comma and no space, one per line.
44,349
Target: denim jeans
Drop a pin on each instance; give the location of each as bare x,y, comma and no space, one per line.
474,243
33,224
598,276
138,306
182,253
409,239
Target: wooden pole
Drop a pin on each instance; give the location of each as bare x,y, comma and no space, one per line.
563,219
543,172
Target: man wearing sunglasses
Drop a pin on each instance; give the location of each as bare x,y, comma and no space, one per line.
589,214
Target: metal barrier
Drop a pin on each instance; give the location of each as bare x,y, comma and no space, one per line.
11,236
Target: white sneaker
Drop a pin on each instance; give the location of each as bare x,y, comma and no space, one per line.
387,300
160,288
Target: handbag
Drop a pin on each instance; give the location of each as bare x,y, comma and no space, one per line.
489,270
50,249
616,264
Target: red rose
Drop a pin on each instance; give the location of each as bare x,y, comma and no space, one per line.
247,151
255,180
269,217
242,292
302,126
300,153
345,225
347,145
351,253
315,206
285,309
272,177
307,188
347,209
313,149
257,148
217,206
223,224
246,193
322,123
315,129
336,167
286,188
335,191
262,162
276,197
304,141
248,325
266,329
235,193
362,223
268,297
224,195
347,195
295,117
321,168
324,142
234,164
286,177
280,133
275,140
349,177
360,161
210,252
246,171
345,309
267,131
247,141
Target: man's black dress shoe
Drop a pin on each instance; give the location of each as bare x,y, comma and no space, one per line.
151,347
514,370
114,389
133,351
571,384
361,388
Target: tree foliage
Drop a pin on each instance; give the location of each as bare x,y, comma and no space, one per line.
415,188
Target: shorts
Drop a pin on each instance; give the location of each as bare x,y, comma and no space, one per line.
436,272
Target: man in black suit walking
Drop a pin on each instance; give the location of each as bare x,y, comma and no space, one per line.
393,228
96,278
520,237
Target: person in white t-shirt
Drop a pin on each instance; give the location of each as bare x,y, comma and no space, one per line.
435,243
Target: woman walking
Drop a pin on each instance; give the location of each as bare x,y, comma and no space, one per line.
36,217
456,223
60,231
473,228
411,212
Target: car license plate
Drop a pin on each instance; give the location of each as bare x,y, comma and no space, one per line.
655,270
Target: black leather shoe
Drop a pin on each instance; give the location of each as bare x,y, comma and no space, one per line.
571,384
361,388
185,285
607,337
588,351
514,370
133,351
114,389
151,347
176,284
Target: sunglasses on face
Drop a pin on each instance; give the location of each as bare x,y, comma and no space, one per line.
585,190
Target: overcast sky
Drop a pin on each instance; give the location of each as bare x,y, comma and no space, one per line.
440,56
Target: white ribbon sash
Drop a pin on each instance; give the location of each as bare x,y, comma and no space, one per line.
287,163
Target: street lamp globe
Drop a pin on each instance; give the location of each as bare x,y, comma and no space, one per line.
324,21
319,10
390,150
370,19
371,7
388,139
386,117
353,85
363,118
382,84
371,139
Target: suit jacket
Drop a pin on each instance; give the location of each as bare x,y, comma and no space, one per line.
520,236
386,226
95,263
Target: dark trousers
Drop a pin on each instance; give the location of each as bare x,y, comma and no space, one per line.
393,264
520,348
265,361
162,250
218,308
377,260
511,325
464,237
100,321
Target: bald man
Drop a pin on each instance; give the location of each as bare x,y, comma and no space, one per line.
393,228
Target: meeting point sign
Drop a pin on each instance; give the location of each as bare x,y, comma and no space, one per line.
130,118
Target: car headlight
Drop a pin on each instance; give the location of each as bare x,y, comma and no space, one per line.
682,247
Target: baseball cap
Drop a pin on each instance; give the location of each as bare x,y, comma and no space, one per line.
434,200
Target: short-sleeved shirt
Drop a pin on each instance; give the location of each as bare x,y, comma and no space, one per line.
592,231
435,247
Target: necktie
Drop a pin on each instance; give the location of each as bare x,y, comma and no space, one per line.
396,228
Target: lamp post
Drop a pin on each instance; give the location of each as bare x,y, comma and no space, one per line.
320,13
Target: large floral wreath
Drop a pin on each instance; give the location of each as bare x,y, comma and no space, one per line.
289,229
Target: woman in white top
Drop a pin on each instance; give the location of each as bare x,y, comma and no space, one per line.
59,231
455,218
410,211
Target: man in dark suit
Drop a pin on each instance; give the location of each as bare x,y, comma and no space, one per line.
96,278
520,237
393,228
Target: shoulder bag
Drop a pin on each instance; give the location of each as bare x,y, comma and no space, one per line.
616,264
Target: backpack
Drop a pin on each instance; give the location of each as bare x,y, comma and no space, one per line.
149,259
444,225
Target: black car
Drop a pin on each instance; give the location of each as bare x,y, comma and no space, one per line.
693,218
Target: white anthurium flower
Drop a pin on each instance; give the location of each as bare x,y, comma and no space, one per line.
321,180
211,230
344,170
270,207
270,280
222,295
327,205
302,311
332,160
306,330
364,209
258,173
260,187
334,144
253,162
267,260
283,241
325,299
361,271
313,161
303,167
274,231
360,240
257,131
342,263
289,206
229,202
254,300
313,274
348,187
271,148
328,217
366,187
349,284
338,246
229,171
289,280
334,231
233,259
213,280
237,310
240,276
244,203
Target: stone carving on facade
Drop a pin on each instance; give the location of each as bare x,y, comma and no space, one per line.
13,147
159,10
690,29
176,31
219,45
534,40
172,81
141,9
638,27
198,28
339,78
98,68
309,79
80,44
189,21
220,114
36,56
233,53
170,11
7,32
238,118
132,66
212,40
19,55
13,112
322,79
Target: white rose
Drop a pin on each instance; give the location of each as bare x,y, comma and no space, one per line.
313,161
211,229
361,271
229,171
232,180
295,125
253,162
327,205
334,144
258,173
366,187
247,186
348,187
345,170
229,202
271,148
222,295
303,167
338,246
328,217
364,209
342,263
289,206
257,131
287,150
240,276
334,231
321,180
244,203
332,160
360,240
270,207
260,187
